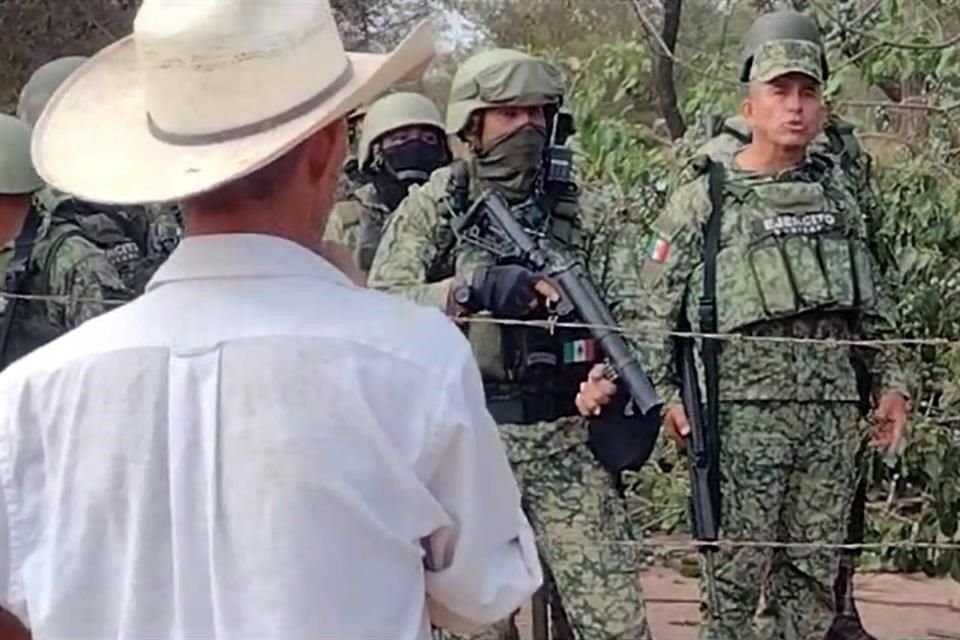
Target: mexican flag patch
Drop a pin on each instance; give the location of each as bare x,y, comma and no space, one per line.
579,351
659,248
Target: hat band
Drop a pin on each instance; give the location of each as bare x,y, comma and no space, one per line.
195,139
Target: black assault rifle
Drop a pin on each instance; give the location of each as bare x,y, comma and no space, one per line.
703,448
490,224
702,452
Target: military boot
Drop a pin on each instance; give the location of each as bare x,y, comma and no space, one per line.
846,624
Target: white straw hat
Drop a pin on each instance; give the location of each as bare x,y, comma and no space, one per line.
204,92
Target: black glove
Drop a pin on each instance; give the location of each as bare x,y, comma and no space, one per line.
507,291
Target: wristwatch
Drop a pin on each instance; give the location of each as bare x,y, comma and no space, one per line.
462,294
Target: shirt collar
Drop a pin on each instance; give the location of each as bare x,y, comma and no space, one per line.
243,255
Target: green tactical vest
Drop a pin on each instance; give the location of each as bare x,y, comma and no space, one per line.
512,359
788,247
124,235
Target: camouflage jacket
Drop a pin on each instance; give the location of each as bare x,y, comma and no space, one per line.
74,271
357,222
837,141
807,219
135,239
420,258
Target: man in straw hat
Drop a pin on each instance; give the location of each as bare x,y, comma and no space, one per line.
274,452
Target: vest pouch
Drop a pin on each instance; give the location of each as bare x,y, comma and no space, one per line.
837,260
807,271
863,275
548,369
532,363
486,341
771,278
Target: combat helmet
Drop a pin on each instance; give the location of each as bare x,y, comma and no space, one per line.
780,25
498,78
17,174
392,112
42,84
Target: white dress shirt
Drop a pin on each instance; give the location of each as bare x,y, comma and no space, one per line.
256,448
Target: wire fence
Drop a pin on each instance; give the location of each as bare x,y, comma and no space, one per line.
642,330
639,330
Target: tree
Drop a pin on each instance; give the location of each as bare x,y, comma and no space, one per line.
48,29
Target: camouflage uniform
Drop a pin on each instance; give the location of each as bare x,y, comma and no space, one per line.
361,208
134,239
837,141
58,262
840,143
573,503
357,220
350,178
793,262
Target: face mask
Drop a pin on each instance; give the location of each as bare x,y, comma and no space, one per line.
404,166
513,161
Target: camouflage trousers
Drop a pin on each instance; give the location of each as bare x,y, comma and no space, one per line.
581,521
788,473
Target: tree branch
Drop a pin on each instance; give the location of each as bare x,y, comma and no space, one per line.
663,68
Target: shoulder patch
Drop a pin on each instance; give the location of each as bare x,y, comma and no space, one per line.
688,208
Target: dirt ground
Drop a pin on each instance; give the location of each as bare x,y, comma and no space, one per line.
894,607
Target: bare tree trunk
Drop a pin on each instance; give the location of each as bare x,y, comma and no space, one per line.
663,70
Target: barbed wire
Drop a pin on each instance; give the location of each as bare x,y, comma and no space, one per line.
726,543
637,330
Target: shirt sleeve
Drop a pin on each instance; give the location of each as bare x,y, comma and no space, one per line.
484,566
12,604
673,251
410,246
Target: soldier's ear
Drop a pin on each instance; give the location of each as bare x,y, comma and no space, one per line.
746,110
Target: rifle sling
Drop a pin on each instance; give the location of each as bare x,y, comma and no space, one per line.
716,176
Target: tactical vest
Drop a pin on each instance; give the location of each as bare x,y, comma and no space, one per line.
788,248
360,219
532,374
122,234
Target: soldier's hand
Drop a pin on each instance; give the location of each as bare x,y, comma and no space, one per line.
595,393
676,425
509,291
890,422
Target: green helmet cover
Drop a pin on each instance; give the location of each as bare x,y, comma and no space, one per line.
42,84
17,174
498,78
775,26
392,112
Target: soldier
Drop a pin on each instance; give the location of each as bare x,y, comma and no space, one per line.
137,239
839,142
43,259
503,105
771,242
350,178
402,142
